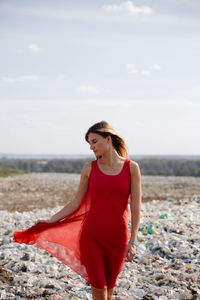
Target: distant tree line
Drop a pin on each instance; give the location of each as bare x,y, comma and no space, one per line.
170,167
148,166
48,166
5,172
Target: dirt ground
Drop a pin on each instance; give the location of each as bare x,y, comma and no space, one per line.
41,190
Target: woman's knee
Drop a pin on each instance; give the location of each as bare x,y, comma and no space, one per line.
109,293
99,294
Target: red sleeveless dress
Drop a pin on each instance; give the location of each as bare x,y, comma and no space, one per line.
92,240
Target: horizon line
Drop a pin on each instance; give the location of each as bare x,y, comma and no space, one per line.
85,154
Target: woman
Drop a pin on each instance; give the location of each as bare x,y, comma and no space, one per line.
90,234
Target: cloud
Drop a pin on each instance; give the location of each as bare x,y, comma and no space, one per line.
140,124
35,48
146,72
47,124
128,7
25,118
155,67
114,103
91,89
20,79
131,69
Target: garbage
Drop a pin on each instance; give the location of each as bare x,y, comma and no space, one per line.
137,293
163,216
166,265
155,249
187,260
169,199
149,229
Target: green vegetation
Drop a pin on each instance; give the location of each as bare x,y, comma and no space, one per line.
49,166
5,172
170,167
148,166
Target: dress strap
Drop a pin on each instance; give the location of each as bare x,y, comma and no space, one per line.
127,164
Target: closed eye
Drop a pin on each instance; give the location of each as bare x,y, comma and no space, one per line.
93,142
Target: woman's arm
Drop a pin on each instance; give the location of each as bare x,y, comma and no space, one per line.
135,205
75,203
135,200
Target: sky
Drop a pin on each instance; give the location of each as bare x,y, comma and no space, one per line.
65,65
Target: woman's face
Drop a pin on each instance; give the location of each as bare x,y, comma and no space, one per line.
98,144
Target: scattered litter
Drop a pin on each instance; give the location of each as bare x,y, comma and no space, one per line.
166,266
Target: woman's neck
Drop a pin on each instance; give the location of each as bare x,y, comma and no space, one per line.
110,158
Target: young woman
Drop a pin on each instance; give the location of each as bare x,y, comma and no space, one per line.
90,234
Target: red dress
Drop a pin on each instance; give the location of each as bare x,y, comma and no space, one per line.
92,240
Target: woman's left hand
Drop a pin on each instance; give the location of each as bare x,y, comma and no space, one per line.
130,252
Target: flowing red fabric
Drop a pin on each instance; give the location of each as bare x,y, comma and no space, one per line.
60,238
92,240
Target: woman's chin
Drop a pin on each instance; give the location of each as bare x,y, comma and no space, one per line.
99,156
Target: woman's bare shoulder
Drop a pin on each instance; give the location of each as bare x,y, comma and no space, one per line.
87,169
134,167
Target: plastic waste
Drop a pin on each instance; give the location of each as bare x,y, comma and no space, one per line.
163,216
154,250
149,229
166,265
169,199
137,292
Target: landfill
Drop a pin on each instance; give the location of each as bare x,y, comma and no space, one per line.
166,266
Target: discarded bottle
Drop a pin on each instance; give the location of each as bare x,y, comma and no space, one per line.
169,199
163,216
187,260
154,250
149,229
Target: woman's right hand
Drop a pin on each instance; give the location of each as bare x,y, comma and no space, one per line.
42,221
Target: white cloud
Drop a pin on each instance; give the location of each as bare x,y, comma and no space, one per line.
24,118
114,103
131,69
91,89
20,79
140,124
191,94
35,48
129,7
146,72
155,67
46,124
88,14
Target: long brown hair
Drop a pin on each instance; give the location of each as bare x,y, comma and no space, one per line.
104,129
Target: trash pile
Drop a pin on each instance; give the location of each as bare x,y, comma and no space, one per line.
37,190
42,190
167,264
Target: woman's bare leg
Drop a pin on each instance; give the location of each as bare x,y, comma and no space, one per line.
109,294
99,294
